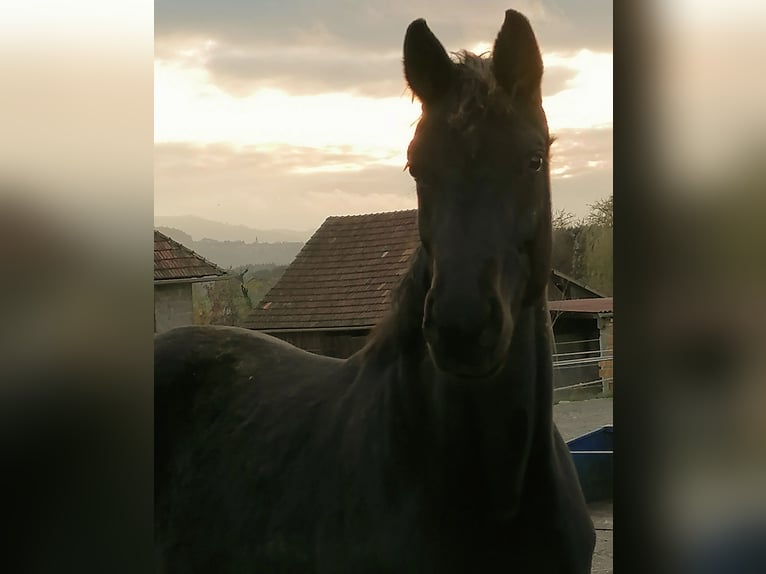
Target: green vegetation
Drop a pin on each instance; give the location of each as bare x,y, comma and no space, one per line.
583,248
229,302
258,279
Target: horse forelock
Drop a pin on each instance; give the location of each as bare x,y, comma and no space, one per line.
478,93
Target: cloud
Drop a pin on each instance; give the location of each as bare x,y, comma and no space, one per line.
372,24
569,27
308,48
304,72
188,109
575,194
265,78
578,152
582,169
291,187
270,187
354,25
557,78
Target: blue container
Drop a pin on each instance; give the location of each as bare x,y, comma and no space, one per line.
593,455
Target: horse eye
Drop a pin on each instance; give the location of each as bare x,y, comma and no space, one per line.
536,163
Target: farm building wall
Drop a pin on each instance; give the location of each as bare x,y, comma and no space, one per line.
575,335
172,306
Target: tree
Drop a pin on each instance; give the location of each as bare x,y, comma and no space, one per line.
583,248
593,257
222,302
593,252
601,213
563,219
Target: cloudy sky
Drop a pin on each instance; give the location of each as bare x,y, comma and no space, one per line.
277,114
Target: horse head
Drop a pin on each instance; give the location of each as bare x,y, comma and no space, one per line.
479,158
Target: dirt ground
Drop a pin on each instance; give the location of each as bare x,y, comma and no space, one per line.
578,417
574,419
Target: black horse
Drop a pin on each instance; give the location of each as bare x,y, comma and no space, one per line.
431,450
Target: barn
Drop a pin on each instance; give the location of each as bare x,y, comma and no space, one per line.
584,333
340,285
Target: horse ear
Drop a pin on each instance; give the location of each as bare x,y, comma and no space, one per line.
427,67
516,59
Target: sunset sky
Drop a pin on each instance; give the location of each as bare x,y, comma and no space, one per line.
278,114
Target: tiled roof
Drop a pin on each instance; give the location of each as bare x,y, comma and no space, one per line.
595,305
173,261
566,283
344,276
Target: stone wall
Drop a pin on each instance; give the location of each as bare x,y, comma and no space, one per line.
172,306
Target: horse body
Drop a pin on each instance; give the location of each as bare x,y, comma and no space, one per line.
342,472
433,448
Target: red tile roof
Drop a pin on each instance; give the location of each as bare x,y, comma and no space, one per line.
344,276
595,305
173,261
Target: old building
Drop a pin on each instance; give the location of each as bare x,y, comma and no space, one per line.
176,269
583,329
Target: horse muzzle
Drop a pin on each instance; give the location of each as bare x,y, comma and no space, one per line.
467,341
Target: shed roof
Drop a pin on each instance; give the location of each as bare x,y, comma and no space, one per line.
173,262
345,275
594,305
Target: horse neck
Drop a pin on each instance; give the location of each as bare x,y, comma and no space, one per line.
465,425
516,402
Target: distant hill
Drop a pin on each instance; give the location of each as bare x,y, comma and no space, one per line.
199,228
227,254
180,236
